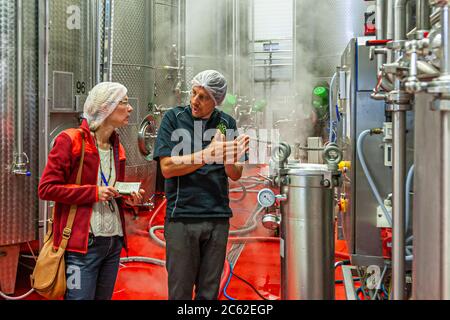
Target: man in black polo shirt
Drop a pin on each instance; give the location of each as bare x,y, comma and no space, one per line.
197,158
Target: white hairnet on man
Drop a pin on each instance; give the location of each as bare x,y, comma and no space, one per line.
214,83
102,101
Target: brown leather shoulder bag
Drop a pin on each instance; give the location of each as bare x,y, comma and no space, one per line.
49,275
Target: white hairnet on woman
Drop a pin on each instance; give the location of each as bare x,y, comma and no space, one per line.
213,82
102,101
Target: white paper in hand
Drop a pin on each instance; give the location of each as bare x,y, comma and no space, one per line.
127,188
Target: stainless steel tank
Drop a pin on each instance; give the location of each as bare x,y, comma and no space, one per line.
19,144
307,233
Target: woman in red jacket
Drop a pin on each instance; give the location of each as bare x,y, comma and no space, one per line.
98,232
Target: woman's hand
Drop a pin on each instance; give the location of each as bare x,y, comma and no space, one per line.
135,198
107,193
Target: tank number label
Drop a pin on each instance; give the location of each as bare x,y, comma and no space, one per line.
81,87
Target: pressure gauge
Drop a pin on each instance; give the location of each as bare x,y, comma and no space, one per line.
266,198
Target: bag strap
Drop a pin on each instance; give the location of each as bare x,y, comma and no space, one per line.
73,209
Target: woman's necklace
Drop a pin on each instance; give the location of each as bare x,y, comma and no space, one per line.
103,178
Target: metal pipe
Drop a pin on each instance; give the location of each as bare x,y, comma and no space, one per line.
409,23
380,23
380,19
390,19
235,45
445,290
398,207
445,120
423,15
44,44
426,68
98,43
109,26
111,42
445,61
399,166
19,84
400,19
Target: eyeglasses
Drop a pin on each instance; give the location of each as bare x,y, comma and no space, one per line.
200,97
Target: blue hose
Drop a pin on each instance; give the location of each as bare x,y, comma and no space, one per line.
228,282
383,288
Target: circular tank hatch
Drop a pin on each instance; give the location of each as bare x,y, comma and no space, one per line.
60,128
147,137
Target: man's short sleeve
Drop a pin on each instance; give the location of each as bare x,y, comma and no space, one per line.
164,143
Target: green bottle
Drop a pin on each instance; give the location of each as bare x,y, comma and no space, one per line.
320,100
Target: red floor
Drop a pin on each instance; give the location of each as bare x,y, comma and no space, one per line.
259,263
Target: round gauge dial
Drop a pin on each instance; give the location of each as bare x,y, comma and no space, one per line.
266,198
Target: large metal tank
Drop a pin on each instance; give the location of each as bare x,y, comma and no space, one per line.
307,233
19,133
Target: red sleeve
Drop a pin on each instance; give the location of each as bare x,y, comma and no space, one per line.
54,184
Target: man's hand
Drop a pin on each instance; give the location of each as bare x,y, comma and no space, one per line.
226,152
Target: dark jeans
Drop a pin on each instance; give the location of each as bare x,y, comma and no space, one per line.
195,256
92,276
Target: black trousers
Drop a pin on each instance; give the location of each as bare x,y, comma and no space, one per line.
195,256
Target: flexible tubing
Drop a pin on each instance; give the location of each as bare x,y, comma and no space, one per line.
250,228
157,211
4,296
158,262
228,282
225,276
373,187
